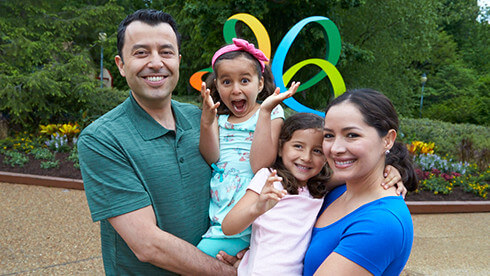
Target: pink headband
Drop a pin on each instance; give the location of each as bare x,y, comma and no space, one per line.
241,45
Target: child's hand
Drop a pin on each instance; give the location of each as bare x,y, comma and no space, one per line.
277,97
393,178
269,196
231,260
209,108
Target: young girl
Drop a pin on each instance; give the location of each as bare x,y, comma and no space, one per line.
243,138
283,214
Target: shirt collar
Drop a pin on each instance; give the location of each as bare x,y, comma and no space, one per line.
150,129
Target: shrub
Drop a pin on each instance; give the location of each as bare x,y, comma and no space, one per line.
467,142
50,164
73,157
15,158
42,153
100,103
463,109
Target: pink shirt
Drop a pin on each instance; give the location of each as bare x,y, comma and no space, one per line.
281,236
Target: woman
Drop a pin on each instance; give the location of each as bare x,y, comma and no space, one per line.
364,229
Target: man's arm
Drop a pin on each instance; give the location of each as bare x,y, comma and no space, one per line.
150,244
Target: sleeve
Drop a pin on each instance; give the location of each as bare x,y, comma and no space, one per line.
258,181
111,185
372,241
277,112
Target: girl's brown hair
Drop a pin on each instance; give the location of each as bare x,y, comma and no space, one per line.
317,184
269,85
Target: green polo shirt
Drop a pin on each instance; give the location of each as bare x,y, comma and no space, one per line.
129,161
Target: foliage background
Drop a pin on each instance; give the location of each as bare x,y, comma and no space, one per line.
50,53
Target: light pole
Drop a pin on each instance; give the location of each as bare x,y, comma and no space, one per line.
423,80
102,38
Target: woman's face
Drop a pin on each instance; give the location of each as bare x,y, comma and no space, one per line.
354,150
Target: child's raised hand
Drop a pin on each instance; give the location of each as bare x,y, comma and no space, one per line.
209,108
269,196
277,97
393,178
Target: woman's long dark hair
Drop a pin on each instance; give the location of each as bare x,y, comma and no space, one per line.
317,184
378,112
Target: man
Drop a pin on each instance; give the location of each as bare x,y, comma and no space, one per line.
144,177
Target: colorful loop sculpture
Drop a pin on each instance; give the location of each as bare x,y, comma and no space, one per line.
261,34
327,65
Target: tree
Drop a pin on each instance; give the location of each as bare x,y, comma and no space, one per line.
382,40
47,73
459,66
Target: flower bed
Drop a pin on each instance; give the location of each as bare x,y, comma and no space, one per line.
53,154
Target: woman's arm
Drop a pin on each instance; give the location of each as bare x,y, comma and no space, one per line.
251,206
266,137
209,136
336,264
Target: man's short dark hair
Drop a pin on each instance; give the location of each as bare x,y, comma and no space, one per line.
150,17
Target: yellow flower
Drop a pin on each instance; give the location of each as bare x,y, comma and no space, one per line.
69,129
49,129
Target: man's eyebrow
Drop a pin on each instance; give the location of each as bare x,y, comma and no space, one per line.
137,46
167,45
144,46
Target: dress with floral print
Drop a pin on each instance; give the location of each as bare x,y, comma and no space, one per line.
232,172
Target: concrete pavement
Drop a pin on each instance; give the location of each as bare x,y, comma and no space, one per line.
48,231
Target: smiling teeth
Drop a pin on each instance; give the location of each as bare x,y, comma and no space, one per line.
155,78
343,162
302,167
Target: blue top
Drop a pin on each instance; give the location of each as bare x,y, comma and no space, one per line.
377,236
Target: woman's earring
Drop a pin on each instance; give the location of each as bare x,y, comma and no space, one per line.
387,151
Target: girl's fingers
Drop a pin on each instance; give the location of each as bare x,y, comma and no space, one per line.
277,91
401,190
387,183
203,89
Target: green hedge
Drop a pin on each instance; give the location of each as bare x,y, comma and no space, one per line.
466,142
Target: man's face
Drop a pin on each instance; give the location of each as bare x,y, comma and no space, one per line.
150,62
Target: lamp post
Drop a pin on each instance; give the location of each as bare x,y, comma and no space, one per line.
102,38
423,80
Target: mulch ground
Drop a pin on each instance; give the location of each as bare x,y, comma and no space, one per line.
67,170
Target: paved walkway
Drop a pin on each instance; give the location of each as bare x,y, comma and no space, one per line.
48,231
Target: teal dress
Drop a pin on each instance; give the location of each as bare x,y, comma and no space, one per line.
232,174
